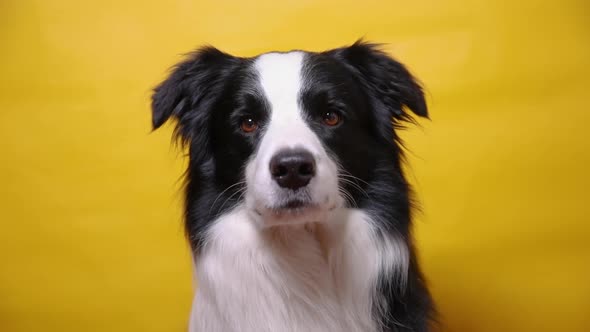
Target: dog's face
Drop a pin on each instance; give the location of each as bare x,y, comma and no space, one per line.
291,136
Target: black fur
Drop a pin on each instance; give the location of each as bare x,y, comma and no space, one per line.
378,88
211,91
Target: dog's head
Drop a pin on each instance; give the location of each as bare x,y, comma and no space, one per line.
291,136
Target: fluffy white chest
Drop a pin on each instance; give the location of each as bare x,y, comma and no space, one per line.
295,278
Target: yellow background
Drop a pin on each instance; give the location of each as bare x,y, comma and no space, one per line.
90,234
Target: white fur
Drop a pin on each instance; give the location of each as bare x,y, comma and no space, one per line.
281,81
314,277
316,271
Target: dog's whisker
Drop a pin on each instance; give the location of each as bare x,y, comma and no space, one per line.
355,185
348,197
241,191
347,174
226,189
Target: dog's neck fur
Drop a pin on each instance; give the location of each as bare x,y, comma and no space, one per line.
313,277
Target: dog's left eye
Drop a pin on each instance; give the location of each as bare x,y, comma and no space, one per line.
248,124
331,118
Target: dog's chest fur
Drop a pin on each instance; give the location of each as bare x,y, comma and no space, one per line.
293,278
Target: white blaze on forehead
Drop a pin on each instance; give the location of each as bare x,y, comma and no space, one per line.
280,79
280,83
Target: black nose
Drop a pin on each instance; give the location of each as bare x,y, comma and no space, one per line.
292,169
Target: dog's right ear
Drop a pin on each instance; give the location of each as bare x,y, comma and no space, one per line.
191,89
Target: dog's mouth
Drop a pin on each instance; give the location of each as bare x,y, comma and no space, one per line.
290,209
293,207
294,204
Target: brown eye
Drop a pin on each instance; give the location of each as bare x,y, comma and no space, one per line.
331,118
248,125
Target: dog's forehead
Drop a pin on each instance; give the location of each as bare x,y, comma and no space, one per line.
280,79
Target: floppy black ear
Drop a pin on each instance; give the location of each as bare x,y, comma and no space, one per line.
191,90
388,82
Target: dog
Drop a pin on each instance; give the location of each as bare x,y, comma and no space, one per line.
296,206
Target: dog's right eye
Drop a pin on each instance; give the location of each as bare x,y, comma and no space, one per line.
248,124
331,118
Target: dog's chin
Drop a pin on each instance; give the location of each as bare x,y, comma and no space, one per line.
293,212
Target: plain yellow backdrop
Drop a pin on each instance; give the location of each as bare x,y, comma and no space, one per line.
91,236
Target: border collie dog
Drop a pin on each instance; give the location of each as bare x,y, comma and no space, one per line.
297,209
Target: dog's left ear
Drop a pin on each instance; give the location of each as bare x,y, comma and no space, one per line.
388,82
